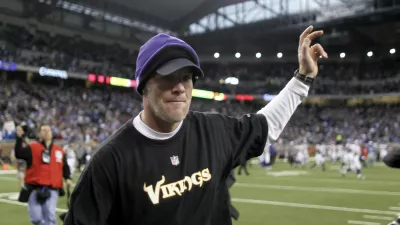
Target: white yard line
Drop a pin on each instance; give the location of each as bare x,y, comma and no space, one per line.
251,201
394,208
7,194
24,204
19,203
308,206
15,179
362,222
325,180
378,217
4,172
335,190
8,178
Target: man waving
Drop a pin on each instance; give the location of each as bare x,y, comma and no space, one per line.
169,165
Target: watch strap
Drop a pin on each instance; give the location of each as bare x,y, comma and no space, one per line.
303,78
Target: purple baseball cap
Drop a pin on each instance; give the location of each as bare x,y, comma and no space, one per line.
163,55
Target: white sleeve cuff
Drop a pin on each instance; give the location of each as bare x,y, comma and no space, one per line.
298,87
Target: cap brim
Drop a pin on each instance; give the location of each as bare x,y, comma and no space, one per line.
177,64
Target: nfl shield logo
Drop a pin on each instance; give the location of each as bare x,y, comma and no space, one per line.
174,160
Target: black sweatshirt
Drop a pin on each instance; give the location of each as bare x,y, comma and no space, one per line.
181,181
23,151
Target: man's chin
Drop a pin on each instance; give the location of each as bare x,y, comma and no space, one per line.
176,117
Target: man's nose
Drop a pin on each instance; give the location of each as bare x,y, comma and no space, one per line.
179,87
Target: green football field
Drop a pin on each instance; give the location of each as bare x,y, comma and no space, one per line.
284,196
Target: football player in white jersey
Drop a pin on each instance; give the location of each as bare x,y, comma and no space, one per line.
319,159
267,158
332,152
383,150
302,155
354,160
340,152
71,157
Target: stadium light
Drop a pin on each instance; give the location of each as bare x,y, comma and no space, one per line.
342,55
279,55
216,55
258,55
232,80
237,55
370,53
392,51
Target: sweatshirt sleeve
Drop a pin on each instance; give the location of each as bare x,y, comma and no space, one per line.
94,194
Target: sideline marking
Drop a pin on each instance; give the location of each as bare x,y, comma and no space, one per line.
308,206
335,190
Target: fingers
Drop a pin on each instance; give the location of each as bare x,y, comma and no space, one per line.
315,34
319,51
308,35
305,33
305,47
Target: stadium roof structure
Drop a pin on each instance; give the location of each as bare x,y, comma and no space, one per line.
245,26
354,27
199,16
238,20
171,15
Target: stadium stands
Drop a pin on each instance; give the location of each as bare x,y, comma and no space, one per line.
38,48
77,111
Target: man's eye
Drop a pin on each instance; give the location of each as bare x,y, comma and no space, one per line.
169,78
187,77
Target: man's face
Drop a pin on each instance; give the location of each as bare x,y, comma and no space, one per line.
45,133
169,97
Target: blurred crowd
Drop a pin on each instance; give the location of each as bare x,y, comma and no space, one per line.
31,46
79,114
376,123
76,112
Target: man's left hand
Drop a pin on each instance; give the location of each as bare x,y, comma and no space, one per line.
308,56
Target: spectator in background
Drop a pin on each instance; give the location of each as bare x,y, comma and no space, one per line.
69,150
46,167
9,128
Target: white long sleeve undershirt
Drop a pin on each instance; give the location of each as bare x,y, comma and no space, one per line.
279,111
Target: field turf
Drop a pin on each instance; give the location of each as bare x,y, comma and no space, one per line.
284,196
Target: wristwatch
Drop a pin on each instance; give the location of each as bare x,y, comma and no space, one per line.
303,78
